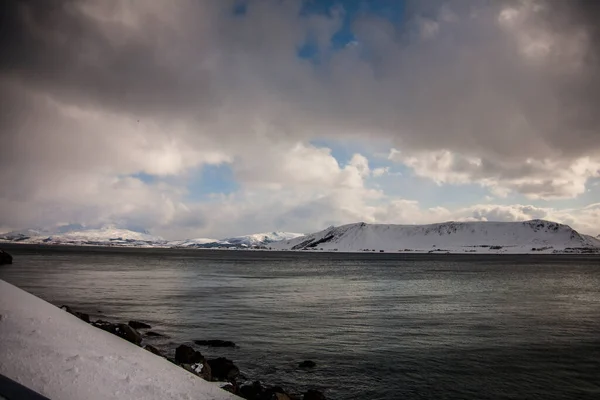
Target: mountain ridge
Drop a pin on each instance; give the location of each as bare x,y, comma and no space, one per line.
256,240
534,236
112,235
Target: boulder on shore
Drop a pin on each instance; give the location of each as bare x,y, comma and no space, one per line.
129,334
5,258
215,343
138,325
153,350
252,392
124,331
276,393
201,369
256,391
223,369
184,354
82,316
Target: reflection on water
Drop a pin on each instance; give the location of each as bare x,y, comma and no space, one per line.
379,326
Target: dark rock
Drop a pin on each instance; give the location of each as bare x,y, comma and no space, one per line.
215,343
67,309
129,334
313,395
82,316
256,391
307,364
253,391
275,393
154,334
223,369
122,330
153,350
206,371
229,387
201,369
186,355
5,258
99,323
138,325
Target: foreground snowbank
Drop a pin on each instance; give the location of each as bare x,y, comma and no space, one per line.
62,357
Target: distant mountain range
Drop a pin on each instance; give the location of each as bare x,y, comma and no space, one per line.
536,236
79,235
110,235
256,240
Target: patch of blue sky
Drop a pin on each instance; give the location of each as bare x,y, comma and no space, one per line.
144,177
343,150
210,180
401,182
590,196
392,10
240,7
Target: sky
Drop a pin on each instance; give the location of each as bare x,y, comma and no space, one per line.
212,118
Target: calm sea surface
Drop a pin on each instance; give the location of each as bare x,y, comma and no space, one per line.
379,326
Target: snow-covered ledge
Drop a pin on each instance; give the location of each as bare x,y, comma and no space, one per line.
61,357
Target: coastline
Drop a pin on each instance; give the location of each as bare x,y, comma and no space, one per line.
61,354
61,357
475,251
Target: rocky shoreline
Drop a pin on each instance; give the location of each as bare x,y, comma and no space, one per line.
219,369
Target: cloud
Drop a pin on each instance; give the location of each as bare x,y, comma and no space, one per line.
93,93
545,179
377,172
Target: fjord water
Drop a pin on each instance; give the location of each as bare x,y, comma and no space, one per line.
379,326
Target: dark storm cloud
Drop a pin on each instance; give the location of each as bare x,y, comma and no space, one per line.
58,47
465,89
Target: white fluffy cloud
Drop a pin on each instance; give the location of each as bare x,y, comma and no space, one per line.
536,179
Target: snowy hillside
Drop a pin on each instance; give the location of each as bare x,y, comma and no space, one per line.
536,236
261,238
199,242
77,235
244,241
110,235
24,235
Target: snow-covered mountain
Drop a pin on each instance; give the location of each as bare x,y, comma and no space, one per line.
260,240
110,235
536,236
23,235
79,235
199,242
